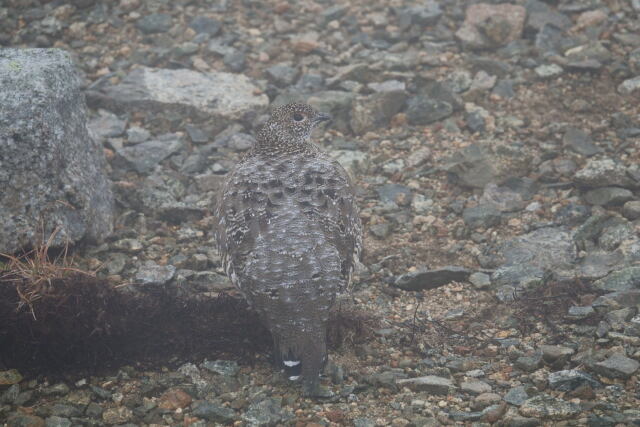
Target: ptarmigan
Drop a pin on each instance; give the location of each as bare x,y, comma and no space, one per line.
289,234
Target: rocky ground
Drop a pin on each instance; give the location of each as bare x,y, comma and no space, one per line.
496,150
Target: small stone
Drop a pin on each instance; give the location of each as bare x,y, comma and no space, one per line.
57,422
617,366
23,420
608,196
556,353
240,142
196,134
571,379
430,384
422,110
205,25
282,74
481,216
631,210
580,142
223,367
547,71
12,376
214,412
488,25
621,280
119,415
516,396
548,407
144,157
529,363
267,412
629,86
580,312
173,399
475,387
151,273
604,173
480,280
154,23
106,125
136,135
431,279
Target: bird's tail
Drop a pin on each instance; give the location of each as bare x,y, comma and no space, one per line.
302,356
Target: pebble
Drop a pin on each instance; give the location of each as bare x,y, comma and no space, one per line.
617,366
629,86
430,384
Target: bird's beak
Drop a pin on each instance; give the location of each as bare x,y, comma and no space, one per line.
321,117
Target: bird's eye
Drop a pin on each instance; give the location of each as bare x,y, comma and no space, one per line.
298,117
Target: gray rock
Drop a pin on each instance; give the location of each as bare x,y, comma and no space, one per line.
205,25
608,196
571,379
488,25
604,173
621,280
381,230
337,104
154,23
151,273
549,248
617,366
580,142
334,12
540,14
529,363
23,420
548,407
145,156
475,387
481,216
50,168
474,166
422,110
223,367
631,210
431,279
267,412
393,193
425,15
580,312
196,134
240,142
216,96
55,421
629,86
282,74
516,396
480,280
214,412
106,125
136,135
547,71
430,384
376,110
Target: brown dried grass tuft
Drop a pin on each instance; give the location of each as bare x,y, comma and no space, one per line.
34,272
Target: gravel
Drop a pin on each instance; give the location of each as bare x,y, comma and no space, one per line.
493,151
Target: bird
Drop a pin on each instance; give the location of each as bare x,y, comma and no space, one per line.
289,234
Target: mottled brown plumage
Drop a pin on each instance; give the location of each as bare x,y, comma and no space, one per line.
289,235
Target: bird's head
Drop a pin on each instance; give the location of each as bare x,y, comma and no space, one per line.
291,124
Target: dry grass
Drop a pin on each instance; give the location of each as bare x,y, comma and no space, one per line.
34,272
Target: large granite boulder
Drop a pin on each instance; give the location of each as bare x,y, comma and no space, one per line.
52,173
215,97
